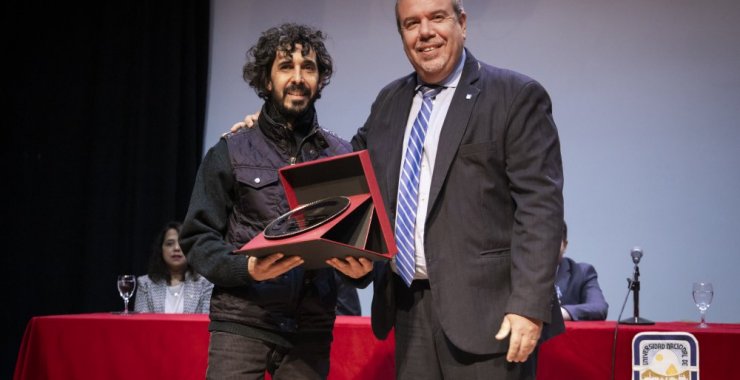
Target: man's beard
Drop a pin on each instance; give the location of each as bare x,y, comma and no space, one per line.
297,108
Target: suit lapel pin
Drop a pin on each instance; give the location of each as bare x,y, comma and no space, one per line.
468,96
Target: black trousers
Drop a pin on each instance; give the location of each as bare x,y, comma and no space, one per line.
424,352
232,356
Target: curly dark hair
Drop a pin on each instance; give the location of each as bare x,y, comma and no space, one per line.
283,38
158,270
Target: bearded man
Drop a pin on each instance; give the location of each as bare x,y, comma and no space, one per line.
267,313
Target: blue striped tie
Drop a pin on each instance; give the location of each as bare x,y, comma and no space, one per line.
408,189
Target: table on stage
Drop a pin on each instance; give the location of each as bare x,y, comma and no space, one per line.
167,346
585,350
174,346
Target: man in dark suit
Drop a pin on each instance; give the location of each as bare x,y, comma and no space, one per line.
578,288
488,212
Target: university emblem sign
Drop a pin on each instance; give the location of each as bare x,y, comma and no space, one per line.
665,356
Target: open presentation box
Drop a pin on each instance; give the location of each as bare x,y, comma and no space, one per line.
362,229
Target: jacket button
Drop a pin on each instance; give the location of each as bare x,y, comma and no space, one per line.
257,180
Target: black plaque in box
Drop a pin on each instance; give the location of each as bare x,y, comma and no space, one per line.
315,228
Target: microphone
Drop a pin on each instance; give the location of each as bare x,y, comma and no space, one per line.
636,255
633,285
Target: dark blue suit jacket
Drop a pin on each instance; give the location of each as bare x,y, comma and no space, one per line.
579,291
494,222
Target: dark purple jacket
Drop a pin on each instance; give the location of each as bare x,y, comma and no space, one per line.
236,194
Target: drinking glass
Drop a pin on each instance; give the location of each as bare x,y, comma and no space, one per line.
126,287
703,294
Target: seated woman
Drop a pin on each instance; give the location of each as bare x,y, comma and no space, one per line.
171,285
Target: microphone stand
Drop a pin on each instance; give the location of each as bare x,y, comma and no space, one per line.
633,284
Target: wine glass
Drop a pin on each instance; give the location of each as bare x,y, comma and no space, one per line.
126,287
703,293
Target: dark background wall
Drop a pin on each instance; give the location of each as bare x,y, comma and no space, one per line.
102,134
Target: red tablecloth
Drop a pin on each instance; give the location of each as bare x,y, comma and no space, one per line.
167,346
159,346
585,350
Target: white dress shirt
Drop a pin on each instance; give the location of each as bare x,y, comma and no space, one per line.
440,105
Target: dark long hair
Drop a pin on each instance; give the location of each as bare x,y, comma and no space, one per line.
284,38
158,270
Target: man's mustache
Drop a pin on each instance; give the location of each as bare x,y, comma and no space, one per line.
298,88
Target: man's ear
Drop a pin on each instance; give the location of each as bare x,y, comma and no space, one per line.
268,86
563,248
463,20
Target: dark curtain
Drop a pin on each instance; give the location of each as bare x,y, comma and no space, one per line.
102,135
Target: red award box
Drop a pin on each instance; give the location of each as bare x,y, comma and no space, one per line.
336,211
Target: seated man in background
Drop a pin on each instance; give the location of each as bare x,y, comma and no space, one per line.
348,300
578,289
